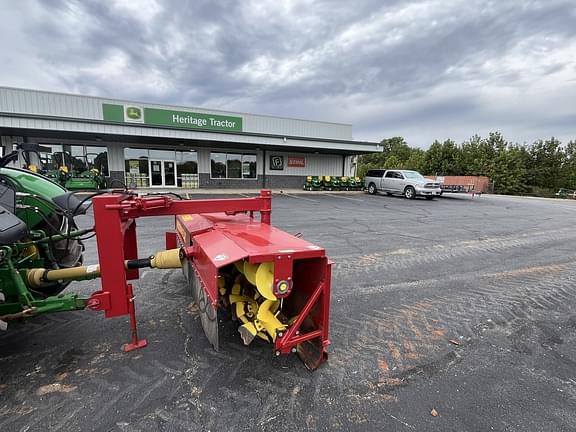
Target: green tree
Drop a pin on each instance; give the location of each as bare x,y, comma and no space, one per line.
509,171
395,147
393,162
544,167
398,147
478,154
568,172
416,160
513,168
443,159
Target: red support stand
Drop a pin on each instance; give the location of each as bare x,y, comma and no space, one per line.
136,343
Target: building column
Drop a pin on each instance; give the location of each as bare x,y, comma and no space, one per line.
8,145
203,155
350,165
115,164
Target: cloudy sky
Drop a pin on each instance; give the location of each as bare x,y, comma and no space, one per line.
425,70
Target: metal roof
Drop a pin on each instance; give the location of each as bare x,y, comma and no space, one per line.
29,112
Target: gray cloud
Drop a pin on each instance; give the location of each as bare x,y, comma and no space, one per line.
421,69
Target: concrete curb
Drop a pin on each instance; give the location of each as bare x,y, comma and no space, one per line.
563,200
238,191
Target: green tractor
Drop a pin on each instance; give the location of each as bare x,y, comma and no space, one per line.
72,172
77,173
37,230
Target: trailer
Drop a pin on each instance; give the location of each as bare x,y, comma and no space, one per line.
473,185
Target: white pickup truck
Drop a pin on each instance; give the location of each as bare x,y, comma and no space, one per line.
404,182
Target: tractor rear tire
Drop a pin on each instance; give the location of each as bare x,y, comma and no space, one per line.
64,254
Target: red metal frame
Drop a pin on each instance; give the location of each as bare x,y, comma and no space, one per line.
115,228
215,233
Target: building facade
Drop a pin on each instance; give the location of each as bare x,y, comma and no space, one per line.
159,146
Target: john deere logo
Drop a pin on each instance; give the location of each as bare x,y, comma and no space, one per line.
133,114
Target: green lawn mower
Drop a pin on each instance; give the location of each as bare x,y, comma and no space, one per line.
344,183
313,183
354,183
71,172
90,179
331,183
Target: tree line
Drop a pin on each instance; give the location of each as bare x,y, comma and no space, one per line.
540,168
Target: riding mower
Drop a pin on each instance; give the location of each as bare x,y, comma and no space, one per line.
331,183
72,172
76,173
312,183
89,179
354,183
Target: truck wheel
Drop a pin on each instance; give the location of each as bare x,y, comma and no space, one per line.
371,188
409,192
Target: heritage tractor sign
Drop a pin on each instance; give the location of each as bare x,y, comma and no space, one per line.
170,118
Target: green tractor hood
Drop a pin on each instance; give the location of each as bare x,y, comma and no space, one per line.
41,189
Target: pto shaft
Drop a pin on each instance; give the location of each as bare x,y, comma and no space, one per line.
37,277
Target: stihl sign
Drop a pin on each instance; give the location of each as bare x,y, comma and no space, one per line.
296,162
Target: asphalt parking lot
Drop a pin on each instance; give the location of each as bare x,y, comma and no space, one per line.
462,305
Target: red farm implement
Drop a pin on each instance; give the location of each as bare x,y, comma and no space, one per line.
277,286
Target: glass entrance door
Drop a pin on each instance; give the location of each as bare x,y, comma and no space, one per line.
156,178
162,173
169,173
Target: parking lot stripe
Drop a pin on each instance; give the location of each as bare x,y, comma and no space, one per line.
299,197
343,197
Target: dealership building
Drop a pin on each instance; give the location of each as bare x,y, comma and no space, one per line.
147,145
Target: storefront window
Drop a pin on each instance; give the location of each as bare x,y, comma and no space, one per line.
135,153
136,167
50,160
97,158
249,166
187,168
76,157
153,167
187,162
162,154
218,165
233,165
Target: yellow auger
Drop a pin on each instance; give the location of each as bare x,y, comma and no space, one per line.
253,302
